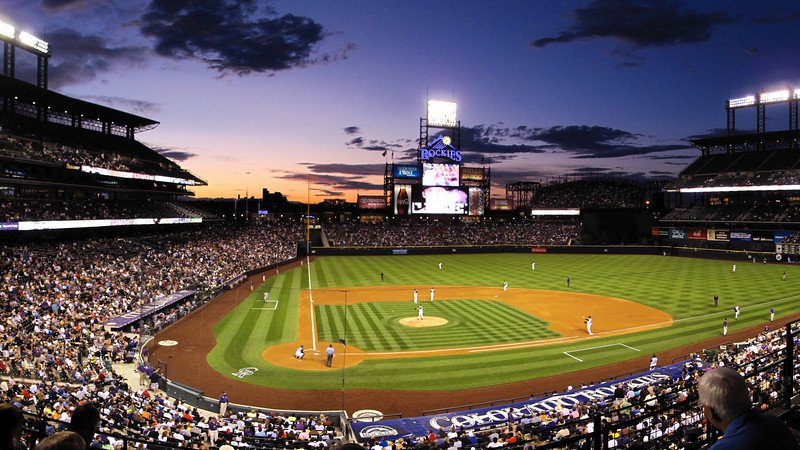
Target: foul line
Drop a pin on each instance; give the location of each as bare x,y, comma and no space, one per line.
595,348
267,303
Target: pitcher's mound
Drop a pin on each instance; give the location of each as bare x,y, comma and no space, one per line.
424,323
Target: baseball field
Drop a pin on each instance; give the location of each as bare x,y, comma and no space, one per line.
474,333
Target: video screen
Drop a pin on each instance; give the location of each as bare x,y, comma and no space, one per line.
440,175
439,200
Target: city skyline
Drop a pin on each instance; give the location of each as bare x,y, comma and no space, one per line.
316,95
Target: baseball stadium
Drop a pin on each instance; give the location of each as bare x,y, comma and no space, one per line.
443,313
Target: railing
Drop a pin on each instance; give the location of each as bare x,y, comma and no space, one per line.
684,419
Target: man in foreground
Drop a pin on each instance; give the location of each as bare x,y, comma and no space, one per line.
726,404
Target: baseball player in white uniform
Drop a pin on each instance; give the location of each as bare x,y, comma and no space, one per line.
736,312
431,295
420,316
533,265
588,321
266,296
416,297
653,362
505,286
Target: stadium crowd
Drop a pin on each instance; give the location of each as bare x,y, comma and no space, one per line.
589,193
515,233
34,150
642,414
54,355
88,209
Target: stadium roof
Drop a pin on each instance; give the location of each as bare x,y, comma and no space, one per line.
29,93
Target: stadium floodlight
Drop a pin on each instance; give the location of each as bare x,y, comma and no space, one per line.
743,101
762,188
33,42
556,212
797,93
7,30
774,96
441,113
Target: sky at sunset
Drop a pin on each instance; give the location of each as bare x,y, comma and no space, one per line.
258,94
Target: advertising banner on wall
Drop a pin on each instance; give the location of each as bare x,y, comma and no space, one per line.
741,236
780,236
717,235
371,202
677,233
402,199
697,234
406,171
472,174
500,204
476,201
501,415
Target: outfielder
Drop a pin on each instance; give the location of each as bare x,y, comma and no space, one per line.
416,297
736,312
431,295
533,265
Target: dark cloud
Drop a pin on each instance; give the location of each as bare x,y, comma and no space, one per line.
358,142
335,182
61,5
352,130
640,23
347,169
174,154
661,173
234,36
594,141
84,57
591,169
776,19
488,144
125,104
668,157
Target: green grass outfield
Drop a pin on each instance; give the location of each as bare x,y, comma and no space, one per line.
681,287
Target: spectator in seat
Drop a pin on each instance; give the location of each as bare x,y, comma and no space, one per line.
726,404
10,426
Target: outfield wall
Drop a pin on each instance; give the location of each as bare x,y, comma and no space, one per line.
694,252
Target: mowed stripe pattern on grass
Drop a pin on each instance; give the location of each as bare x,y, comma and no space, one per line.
375,327
682,287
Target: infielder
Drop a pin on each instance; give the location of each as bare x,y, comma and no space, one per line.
420,316
588,321
416,297
431,295
505,286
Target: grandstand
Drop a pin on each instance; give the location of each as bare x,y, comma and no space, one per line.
76,311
